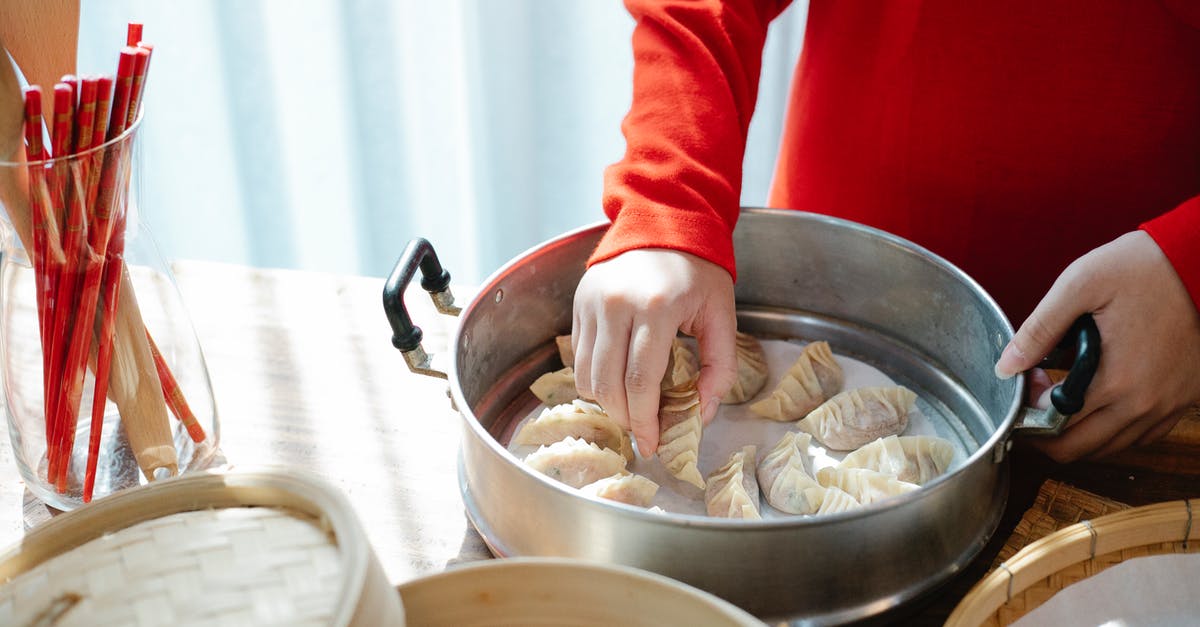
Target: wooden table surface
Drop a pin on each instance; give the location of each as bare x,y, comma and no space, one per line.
304,374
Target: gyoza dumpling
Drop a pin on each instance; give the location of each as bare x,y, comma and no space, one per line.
680,430
831,500
855,417
565,352
627,488
814,377
555,388
682,366
866,486
732,491
784,476
914,458
576,462
751,370
578,419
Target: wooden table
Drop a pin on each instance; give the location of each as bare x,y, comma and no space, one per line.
304,374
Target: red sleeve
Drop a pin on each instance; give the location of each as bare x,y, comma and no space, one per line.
695,80
1177,233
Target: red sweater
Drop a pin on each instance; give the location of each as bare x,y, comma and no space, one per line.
1007,137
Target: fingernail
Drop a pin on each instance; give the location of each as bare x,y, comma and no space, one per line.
1004,368
710,410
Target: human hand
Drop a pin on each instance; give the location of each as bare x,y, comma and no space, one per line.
1150,337
628,310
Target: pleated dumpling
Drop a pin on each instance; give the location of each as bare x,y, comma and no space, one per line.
831,500
751,370
555,388
682,366
785,478
576,462
814,377
866,486
915,458
578,419
856,417
732,491
625,488
679,432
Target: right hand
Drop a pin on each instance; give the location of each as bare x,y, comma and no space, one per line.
628,309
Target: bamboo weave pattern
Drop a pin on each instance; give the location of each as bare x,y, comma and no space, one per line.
233,566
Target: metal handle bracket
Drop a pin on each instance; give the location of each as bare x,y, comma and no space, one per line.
406,336
1067,398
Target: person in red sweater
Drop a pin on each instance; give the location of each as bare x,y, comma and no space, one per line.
1021,141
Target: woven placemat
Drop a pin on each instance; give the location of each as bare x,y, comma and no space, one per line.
1057,505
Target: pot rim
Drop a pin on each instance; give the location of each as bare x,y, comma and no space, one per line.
998,437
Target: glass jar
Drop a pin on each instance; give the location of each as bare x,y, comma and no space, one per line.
80,302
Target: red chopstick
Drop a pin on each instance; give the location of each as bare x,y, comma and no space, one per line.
35,153
141,62
66,282
98,237
133,33
174,395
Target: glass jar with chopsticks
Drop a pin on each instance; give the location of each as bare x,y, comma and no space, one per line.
105,385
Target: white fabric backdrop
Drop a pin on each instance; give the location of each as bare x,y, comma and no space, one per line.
323,135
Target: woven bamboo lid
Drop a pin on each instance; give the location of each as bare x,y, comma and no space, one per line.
261,547
1045,566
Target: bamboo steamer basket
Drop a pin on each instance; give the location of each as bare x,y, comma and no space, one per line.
246,547
562,592
1038,571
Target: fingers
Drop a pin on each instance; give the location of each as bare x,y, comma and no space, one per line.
1087,434
650,347
718,360
583,339
1037,336
1040,386
608,366
1159,430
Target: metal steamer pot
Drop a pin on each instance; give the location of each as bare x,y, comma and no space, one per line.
873,296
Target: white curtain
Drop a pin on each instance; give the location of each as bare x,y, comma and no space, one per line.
323,134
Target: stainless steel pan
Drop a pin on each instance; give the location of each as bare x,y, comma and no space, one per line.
874,296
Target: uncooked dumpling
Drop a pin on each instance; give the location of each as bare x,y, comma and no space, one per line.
627,488
915,458
555,388
576,462
784,477
751,370
831,500
682,366
855,417
680,430
565,352
866,486
814,377
732,491
578,419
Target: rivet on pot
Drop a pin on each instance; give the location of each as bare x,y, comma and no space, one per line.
499,295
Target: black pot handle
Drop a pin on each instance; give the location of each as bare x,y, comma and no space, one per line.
406,336
1067,398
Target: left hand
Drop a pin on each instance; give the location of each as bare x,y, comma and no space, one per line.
1150,337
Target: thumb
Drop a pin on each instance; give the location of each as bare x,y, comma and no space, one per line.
718,363
1043,329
